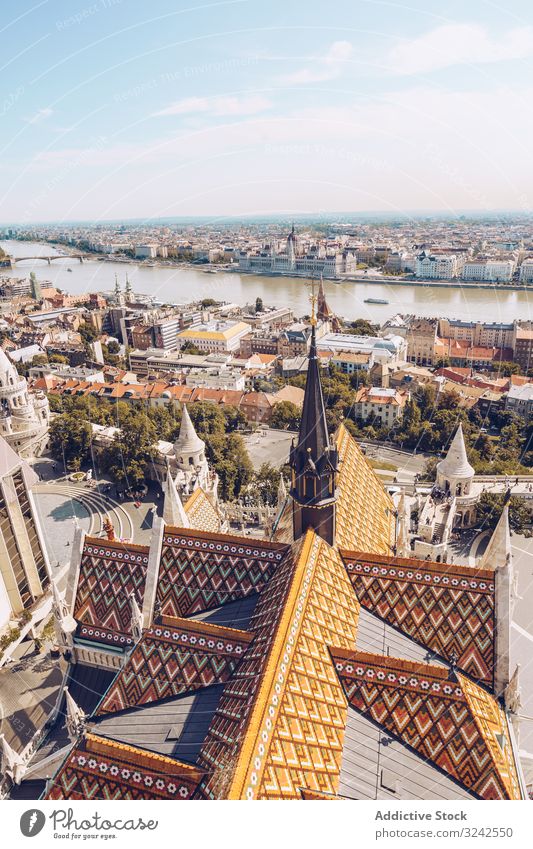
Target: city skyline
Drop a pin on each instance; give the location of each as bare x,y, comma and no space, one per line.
230,109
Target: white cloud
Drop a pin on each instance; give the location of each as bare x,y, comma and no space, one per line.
40,115
458,44
323,68
218,106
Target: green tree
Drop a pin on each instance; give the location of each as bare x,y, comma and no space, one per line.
490,507
259,305
285,414
265,483
70,439
507,368
132,450
360,327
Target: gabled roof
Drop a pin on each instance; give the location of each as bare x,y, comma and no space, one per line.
365,511
447,608
199,570
201,513
445,718
173,657
100,768
109,573
280,722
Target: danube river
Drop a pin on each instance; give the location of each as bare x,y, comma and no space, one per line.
181,284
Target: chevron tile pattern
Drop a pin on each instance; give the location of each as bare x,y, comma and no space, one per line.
97,768
199,571
227,732
445,607
306,742
365,511
109,573
173,657
446,721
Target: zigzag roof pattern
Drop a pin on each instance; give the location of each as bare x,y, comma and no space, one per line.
449,609
365,511
284,714
99,768
109,573
445,718
278,729
175,656
199,571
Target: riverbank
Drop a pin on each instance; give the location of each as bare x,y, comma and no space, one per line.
183,282
399,281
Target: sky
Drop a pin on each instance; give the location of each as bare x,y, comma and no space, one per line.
117,109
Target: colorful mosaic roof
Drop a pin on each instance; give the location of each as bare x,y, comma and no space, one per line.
109,573
201,513
199,571
445,607
445,718
287,720
365,511
173,657
99,768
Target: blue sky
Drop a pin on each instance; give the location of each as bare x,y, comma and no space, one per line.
122,108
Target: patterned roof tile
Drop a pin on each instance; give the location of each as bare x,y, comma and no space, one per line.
446,719
445,607
173,657
199,571
109,573
99,768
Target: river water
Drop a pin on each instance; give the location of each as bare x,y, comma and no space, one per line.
182,284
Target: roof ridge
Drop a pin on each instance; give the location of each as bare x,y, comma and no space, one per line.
207,627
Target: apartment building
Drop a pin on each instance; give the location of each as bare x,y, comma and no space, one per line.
432,266
214,336
381,406
490,270
489,334
526,271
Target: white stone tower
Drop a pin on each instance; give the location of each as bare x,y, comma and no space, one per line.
192,466
454,473
24,418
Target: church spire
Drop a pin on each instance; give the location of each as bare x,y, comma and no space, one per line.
313,459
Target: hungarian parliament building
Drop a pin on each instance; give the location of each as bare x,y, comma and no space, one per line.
316,260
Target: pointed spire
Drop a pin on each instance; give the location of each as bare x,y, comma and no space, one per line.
13,765
117,286
314,459
313,427
75,719
137,621
173,509
498,553
188,441
58,602
455,464
403,547
282,491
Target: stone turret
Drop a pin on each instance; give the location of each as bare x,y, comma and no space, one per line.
191,461
24,417
454,473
